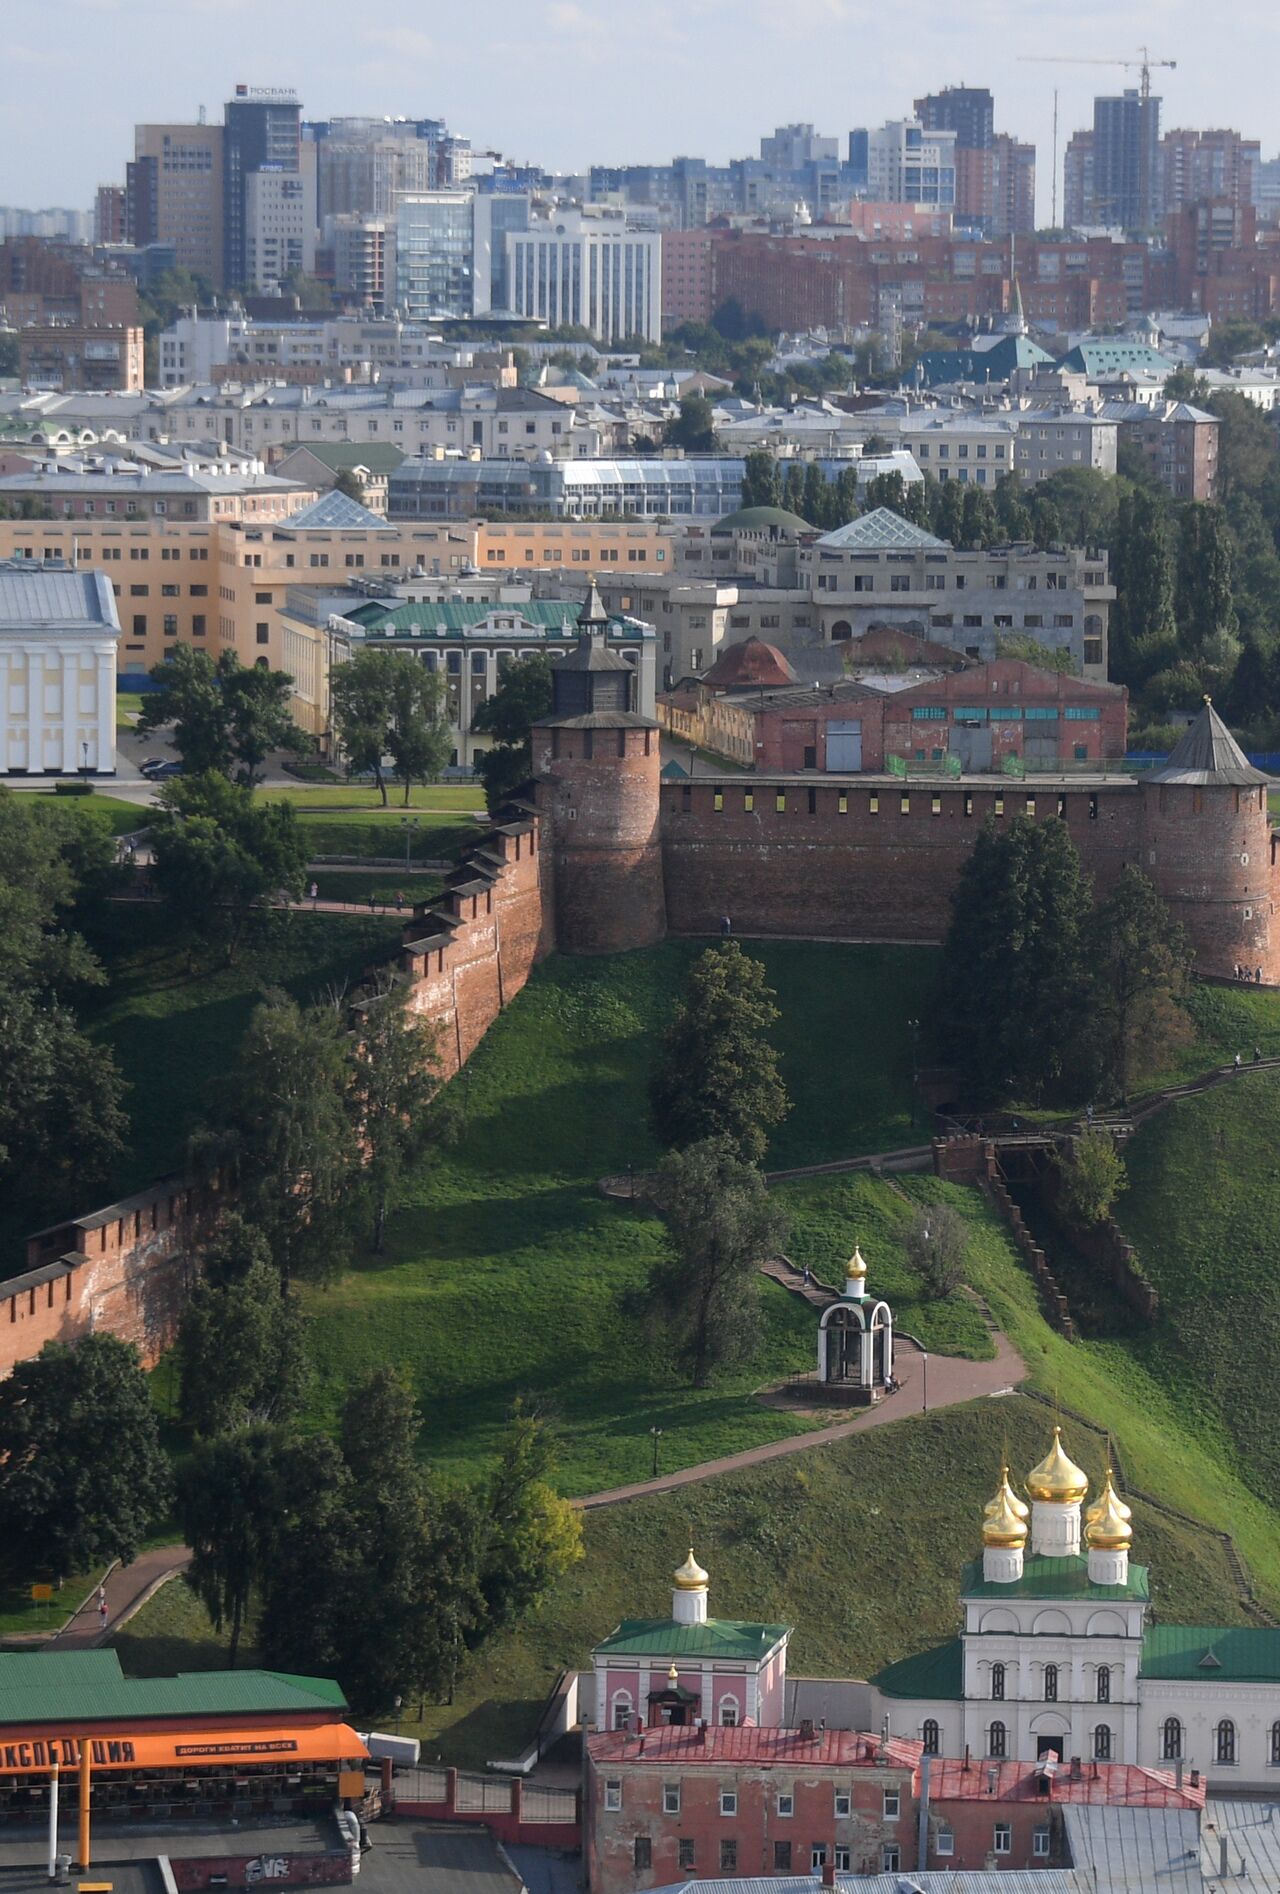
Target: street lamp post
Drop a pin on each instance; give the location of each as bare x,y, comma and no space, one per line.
408,823
913,1027
656,1434
924,1364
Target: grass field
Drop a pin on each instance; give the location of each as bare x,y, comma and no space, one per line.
355,884
505,1273
357,798
381,833
128,708
859,1546
22,1616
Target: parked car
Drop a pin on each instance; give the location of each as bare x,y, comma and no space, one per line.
149,763
162,772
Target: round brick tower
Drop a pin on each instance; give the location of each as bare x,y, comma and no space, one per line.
1207,850
597,763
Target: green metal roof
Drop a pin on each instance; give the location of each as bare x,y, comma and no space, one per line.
1053,1578
1207,1653
1112,355
81,1686
936,1674
343,456
462,615
718,1637
758,519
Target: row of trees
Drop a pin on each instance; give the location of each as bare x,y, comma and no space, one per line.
1044,996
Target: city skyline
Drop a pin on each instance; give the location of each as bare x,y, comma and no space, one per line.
489,89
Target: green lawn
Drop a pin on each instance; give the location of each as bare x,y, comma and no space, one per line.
113,812
128,707
173,1031
356,797
357,884
506,1272
21,1616
859,1546
381,833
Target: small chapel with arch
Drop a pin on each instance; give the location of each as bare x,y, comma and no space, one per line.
855,1342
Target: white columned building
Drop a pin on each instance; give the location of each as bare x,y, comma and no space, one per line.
58,636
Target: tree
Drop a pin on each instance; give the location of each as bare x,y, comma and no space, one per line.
1022,644
283,1129
534,1536
1249,698
980,526
761,485
397,1077
242,1351
815,495
1140,966
793,487
1143,627
258,714
350,483
1091,1174
936,1246
1205,580
1083,502
1046,522
230,1498
1229,339
386,704
522,698
82,1474
721,1225
1246,444
717,1074
1013,990
221,854
1012,510
222,713
693,429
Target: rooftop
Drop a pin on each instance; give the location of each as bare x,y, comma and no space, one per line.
530,618
1110,1784
337,512
1130,1850
762,519
81,1686
938,1673
48,597
718,1637
1054,1578
751,662
688,1745
1207,1653
1208,756
882,528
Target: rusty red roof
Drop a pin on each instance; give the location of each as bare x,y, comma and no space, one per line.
1112,1784
751,662
687,1744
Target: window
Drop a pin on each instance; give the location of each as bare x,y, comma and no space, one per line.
904,804
873,803
1040,1842
613,1789
728,1801
933,713
1002,1838
817,1857
171,591
997,1682
782,1857
139,591
171,624
1275,1745
199,591
687,1855
930,1736
729,1713
262,634
944,1842
892,1804
844,1860
891,1858
729,1856
1104,1683
1224,1747
139,624
786,1805
621,1711
843,1804
671,1798
197,625
1171,1740
643,1851
1102,1743
1051,1683
748,801
997,1741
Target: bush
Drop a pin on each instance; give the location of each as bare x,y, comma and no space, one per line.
78,787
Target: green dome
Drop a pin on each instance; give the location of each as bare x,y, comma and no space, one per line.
759,519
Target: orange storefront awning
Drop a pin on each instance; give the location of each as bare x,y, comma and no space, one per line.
194,1749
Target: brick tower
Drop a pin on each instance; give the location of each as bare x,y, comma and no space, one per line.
597,763
1207,849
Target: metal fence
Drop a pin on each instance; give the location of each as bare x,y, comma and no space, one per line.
485,1795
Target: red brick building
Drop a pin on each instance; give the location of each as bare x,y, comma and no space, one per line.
663,1805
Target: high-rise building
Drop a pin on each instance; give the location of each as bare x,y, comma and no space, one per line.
1077,181
1199,166
794,146
968,111
1126,162
279,225
173,195
1013,187
364,166
108,214
589,268
435,255
858,160
907,165
262,128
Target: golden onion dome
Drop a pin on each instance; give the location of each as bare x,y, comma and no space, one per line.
690,1576
1106,1524
673,1675
1058,1477
856,1267
1004,1518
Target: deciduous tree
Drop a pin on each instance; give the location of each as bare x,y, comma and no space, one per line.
1092,1175
1139,967
231,1496
393,1095
523,697
242,1351
220,854
717,1074
936,1246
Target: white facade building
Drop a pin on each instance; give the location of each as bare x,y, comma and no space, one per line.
58,637
588,268
1058,1652
908,165
279,226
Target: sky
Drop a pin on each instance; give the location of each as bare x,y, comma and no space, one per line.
564,83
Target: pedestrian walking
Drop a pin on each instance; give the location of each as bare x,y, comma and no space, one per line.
314,892
372,900
399,900
1237,1062
102,1613
1088,1112
1258,976
806,1275
1235,971
726,927
1257,1055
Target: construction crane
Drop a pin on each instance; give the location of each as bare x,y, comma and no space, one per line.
1144,65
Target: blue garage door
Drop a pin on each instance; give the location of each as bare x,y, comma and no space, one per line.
844,746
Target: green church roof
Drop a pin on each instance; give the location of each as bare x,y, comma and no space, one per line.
937,1674
1203,1653
718,1637
81,1686
759,519
1054,1578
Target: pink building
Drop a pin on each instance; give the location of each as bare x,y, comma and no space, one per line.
690,1668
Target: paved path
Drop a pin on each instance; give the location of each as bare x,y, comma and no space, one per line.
128,1588
950,1381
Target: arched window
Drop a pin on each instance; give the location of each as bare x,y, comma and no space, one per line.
1104,1683
1171,1748
997,1741
729,1712
1051,1683
931,1738
1275,1745
1225,1741
622,1707
1102,1743
997,1682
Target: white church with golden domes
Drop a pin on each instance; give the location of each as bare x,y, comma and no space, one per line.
1058,1652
